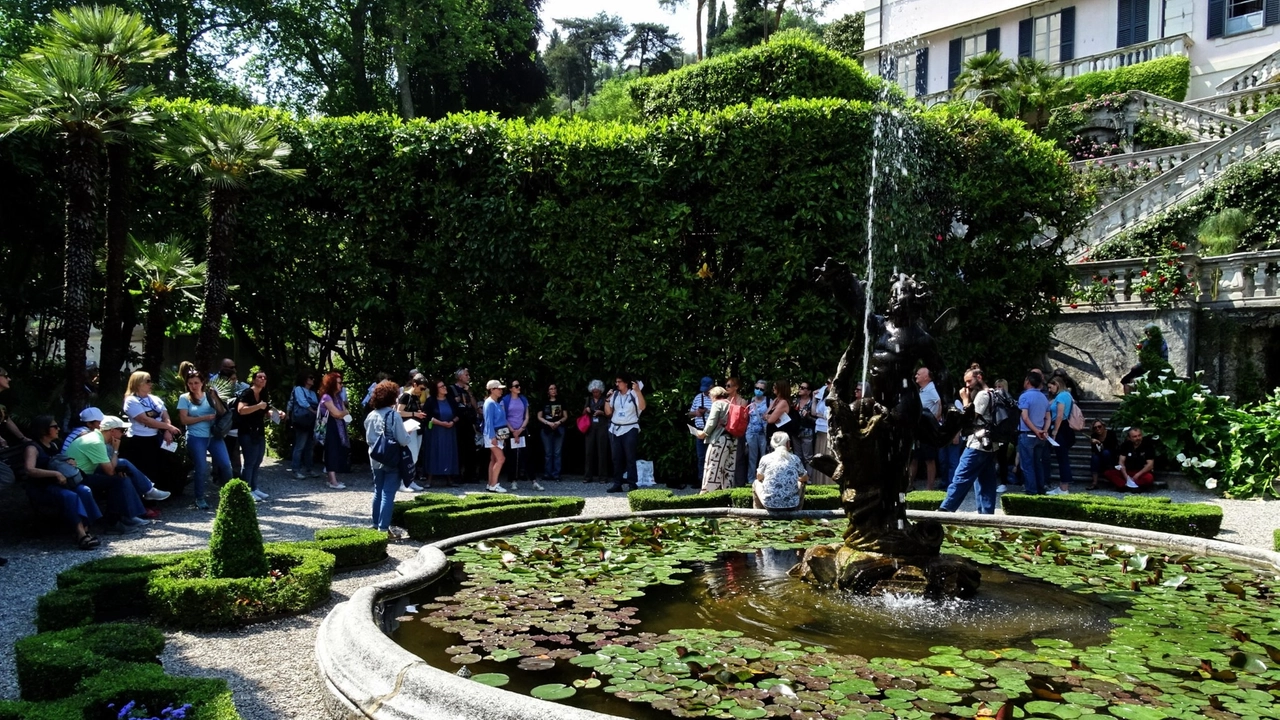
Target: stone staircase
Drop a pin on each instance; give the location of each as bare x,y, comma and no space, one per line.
1081,452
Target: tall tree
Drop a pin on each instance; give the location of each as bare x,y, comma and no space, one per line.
86,103
846,35
671,5
981,75
570,71
162,271
804,8
595,39
648,40
711,20
123,42
225,149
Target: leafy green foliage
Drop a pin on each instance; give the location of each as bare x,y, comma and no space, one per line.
1167,77
51,664
1220,233
925,499
612,102
816,497
185,595
782,69
98,697
1183,418
349,546
846,35
235,545
1252,458
437,515
1197,519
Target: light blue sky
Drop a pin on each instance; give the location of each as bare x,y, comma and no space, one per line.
633,11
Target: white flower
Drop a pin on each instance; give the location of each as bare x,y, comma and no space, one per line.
1166,391
1211,483
1182,458
1209,463
1198,397
1224,397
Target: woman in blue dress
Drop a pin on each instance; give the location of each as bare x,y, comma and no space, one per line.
442,415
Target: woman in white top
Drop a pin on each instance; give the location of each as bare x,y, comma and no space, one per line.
149,428
625,403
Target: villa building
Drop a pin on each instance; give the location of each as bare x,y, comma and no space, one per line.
924,43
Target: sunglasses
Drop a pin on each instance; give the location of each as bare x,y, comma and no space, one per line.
54,427
515,387
804,387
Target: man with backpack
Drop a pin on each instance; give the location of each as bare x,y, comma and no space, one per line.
978,461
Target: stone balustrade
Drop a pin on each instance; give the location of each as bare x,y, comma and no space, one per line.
1236,281
1202,123
1177,183
1257,74
1160,160
1131,55
1247,101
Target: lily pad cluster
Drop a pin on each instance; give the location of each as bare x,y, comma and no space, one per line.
1199,637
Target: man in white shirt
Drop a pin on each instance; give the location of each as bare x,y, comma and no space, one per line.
820,432
932,404
698,410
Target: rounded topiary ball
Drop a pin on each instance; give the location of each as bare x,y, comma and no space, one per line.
235,547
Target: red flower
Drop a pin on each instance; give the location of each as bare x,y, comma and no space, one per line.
1163,278
1147,289
1074,306
1144,273
1176,290
1105,281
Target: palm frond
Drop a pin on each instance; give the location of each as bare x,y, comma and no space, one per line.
116,37
225,148
67,92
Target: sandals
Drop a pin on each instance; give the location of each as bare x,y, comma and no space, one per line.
88,542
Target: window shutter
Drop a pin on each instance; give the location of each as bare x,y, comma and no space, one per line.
1025,30
1217,18
1124,23
955,52
1067,49
922,72
1141,20
1272,14
993,38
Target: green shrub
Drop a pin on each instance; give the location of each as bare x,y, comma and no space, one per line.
50,664
925,499
1197,519
816,497
60,609
182,594
435,518
68,709
1275,540
350,547
235,545
792,67
210,698
1168,77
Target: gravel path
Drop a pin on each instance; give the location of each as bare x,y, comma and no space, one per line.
270,665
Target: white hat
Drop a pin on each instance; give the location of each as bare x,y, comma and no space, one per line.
90,414
111,422
494,385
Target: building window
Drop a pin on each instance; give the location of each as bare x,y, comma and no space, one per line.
1244,16
1047,38
905,72
973,46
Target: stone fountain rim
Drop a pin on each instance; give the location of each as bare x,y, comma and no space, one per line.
366,676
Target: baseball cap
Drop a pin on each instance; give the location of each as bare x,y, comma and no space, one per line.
91,414
111,422
706,384
492,384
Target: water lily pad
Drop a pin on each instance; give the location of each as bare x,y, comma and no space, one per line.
491,679
553,691
466,659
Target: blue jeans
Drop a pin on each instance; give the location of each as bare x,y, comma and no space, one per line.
201,448
1031,458
386,481
119,497
974,465
254,448
756,448
949,461
141,482
76,504
304,448
552,444
626,448
700,447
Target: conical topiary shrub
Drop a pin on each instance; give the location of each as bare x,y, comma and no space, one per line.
235,548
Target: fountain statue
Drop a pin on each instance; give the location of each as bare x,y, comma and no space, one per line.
872,439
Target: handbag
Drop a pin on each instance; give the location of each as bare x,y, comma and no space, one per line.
385,449
502,433
321,427
223,421
301,414
1075,420
584,423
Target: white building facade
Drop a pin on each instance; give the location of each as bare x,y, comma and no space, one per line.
924,43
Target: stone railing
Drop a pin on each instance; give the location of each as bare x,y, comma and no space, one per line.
1160,160
934,98
1240,280
1131,55
1239,103
1203,123
1177,183
1256,74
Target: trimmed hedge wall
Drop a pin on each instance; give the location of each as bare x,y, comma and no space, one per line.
925,499
350,547
437,515
184,595
1276,540
1197,519
1168,77
50,665
787,68
816,497
145,684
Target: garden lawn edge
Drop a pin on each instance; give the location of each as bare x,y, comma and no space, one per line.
367,676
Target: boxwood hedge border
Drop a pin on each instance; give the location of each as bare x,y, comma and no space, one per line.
1155,513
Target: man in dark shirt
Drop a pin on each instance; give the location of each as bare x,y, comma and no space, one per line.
1136,458
467,416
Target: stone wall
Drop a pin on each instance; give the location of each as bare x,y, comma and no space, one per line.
1098,348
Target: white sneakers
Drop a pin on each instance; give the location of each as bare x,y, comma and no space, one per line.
536,486
497,488
1058,491
1129,483
1002,488
259,495
155,493
414,487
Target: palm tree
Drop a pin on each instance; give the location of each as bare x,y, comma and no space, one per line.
86,103
119,40
981,75
225,148
162,270
1041,90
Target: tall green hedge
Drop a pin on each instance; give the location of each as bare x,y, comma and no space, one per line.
1168,77
794,67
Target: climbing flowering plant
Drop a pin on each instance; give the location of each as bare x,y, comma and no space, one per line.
1163,280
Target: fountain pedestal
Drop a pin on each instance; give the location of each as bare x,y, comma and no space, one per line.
871,573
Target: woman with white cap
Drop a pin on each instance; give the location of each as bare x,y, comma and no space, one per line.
495,433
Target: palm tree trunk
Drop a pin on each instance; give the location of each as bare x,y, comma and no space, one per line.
153,342
697,20
115,337
82,168
223,207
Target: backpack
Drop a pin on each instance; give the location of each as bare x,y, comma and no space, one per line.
1075,419
1002,425
736,423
